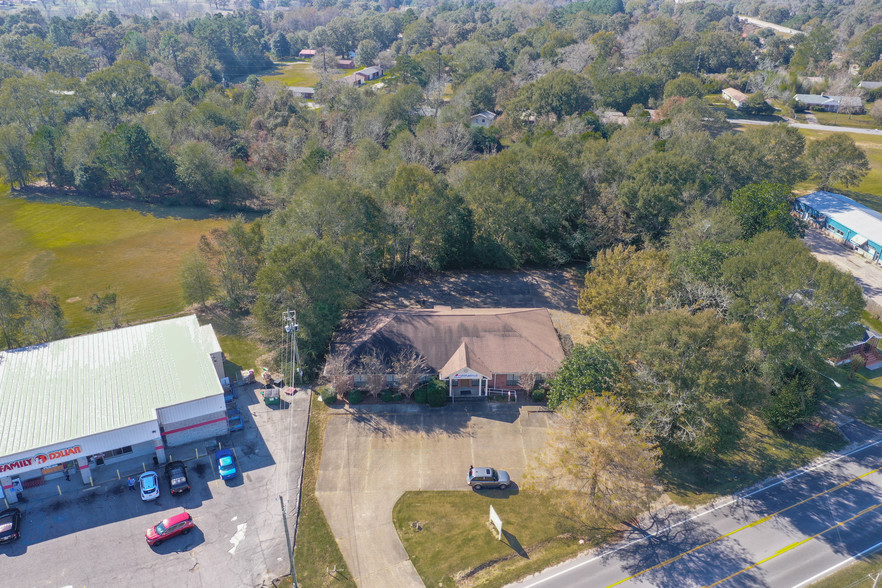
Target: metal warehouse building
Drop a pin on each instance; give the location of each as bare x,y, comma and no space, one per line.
844,220
78,403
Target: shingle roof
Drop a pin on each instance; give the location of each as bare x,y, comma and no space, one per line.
464,358
847,212
81,386
504,340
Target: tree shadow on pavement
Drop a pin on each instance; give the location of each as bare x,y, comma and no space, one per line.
667,553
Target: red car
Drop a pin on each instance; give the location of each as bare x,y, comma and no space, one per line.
180,524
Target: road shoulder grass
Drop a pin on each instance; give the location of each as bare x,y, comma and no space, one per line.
315,544
856,575
449,539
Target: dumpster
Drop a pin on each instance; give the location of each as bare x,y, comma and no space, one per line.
271,396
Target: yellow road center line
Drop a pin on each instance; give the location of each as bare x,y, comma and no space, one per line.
749,525
797,544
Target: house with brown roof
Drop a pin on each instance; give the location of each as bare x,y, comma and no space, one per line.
472,350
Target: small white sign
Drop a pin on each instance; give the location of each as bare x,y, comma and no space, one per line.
497,522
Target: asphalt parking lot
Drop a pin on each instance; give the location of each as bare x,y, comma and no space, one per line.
95,537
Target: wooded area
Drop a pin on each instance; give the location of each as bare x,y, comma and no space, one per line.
376,183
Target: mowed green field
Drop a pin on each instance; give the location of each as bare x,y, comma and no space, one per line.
869,193
295,74
77,249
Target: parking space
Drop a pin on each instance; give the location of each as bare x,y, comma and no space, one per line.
370,459
95,536
867,274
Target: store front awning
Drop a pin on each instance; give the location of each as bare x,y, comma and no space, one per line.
858,240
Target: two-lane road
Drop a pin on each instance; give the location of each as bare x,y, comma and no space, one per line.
786,534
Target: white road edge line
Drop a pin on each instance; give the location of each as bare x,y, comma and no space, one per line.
701,514
839,565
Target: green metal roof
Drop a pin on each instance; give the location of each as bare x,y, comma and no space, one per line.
67,389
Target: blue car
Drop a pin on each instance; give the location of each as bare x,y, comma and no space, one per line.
226,464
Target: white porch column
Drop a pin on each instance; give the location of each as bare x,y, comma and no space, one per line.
85,471
450,387
8,490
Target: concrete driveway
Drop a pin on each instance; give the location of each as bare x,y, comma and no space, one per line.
371,458
867,274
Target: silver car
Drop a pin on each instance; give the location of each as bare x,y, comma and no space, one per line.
488,478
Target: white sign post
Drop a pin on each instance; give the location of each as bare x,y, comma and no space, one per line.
497,522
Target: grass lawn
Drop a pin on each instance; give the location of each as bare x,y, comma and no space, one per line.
855,575
759,454
95,246
315,546
869,193
448,537
293,74
864,121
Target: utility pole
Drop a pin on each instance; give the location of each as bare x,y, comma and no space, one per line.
324,65
288,541
291,328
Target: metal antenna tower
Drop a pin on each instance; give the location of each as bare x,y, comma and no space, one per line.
291,328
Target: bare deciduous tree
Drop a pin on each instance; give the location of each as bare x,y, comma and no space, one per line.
373,366
409,365
338,372
528,380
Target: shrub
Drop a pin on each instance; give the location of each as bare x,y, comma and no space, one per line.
538,395
389,395
792,403
420,395
436,393
355,397
329,395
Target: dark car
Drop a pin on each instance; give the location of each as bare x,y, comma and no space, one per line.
488,478
176,472
10,522
180,524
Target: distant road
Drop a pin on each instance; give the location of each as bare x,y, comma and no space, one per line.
768,25
798,528
809,126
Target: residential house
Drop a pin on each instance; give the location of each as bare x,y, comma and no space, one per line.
736,97
867,345
849,104
302,92
373,72
345,64
843,220
307,53
472,350
483,119
870,85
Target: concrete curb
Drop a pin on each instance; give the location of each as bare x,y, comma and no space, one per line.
472,408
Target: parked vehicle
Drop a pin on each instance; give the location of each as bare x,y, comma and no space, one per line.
10,524
488,478
180,524
176,472
149,483
226,464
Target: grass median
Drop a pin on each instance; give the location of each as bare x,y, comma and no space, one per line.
315,545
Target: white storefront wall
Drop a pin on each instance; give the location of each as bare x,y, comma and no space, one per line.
80,448
30,464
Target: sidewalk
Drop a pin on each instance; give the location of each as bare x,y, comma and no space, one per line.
113,474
